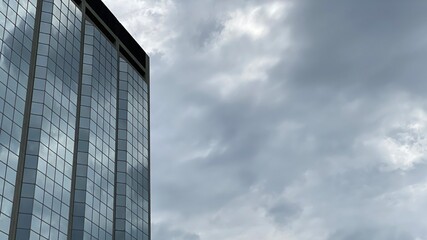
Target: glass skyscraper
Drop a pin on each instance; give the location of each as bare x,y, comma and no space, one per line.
74,124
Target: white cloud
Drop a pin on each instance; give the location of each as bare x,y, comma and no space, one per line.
402,140
147,21
254,21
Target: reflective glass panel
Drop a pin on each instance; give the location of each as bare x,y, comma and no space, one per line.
16,34
93,213
50,147
132,200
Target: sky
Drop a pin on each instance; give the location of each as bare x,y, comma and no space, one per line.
291,119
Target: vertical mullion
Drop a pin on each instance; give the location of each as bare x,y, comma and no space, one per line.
117,138
147,77
77,130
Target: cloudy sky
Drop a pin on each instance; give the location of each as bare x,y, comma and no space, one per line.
296,120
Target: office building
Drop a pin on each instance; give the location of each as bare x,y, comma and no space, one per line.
74,118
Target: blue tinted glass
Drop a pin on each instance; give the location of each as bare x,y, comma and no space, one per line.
51,134
132,204
93,207
14,71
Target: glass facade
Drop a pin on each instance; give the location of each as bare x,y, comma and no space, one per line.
132,198
94,188
16,33
74,124
45,196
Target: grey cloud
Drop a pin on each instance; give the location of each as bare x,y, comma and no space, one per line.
362,46
380,233
284,212
207,31
163,232
321,83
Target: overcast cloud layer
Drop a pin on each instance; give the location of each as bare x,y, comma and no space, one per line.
294,120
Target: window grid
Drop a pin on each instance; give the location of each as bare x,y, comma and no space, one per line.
94,199
132,200
16,33
45,196
43,212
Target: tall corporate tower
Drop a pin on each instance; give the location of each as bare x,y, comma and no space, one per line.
74,123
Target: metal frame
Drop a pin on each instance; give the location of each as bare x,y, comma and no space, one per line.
112,28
